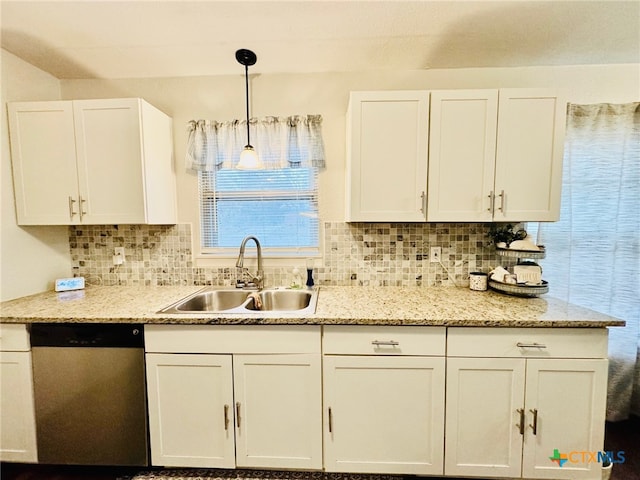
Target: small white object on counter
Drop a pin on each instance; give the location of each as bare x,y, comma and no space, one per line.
529,274
66,284
478,281
524,245
499,274
296,281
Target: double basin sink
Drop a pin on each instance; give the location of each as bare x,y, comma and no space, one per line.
248,302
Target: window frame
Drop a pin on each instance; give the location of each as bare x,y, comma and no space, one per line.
210,256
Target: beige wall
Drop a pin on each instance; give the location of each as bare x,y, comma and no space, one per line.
30,257
222,98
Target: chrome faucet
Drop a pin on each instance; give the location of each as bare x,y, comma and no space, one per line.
257,280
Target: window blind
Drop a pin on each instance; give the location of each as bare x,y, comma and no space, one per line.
280,207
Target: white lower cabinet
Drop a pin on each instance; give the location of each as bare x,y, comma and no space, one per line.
243,408
17,414
507,417
384,403
384,414
191,410
371,399
278,405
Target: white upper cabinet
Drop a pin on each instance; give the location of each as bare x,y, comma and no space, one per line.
530,147
387,156
495,155
104,161
43,154
462,152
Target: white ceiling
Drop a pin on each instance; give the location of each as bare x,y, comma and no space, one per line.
135,39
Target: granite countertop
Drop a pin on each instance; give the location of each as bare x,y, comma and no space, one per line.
435,306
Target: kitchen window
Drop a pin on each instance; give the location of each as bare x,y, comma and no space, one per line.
280,207
593,251
277,204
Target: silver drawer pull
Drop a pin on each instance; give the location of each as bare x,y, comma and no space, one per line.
501,208
81,209
71,212
521,424
226,417
530,345
534,427
387,343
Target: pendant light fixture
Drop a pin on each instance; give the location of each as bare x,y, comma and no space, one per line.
249,159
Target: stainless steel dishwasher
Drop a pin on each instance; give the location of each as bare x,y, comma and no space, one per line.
90,398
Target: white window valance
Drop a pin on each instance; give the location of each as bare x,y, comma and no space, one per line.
280,142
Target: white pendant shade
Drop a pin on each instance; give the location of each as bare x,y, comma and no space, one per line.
249,160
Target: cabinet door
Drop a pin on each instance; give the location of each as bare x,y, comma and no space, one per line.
462,143
387,156
484,396
43,154
384,414
278,411
569,401
531,125
110,169
17,417
190,410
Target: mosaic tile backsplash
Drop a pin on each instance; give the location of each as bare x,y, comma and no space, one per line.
367,254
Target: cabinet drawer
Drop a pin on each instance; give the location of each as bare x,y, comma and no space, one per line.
14,338
232,339
527,342
383,340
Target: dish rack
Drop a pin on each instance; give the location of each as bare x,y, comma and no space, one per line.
515,289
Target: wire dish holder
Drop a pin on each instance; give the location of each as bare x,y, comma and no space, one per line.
520,290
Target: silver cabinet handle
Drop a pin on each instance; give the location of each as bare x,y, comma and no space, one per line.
530,345
238,414
423,199
521,424
226,417
385,343
71,202
82,202
502,195
492,202
534,426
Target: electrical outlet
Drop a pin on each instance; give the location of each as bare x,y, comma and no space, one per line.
118,257
434,254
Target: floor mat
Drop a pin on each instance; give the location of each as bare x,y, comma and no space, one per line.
221,474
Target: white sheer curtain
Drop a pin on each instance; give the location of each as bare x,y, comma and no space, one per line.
593,252
280,142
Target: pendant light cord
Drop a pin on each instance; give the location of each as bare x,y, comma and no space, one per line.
246,84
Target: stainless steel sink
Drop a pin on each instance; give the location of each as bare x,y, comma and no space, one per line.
213,301
281,300
246,302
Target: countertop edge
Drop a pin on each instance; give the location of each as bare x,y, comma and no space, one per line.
323,321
